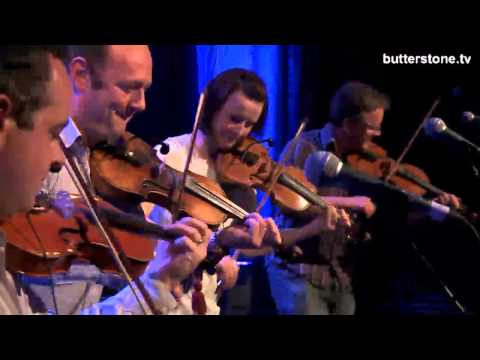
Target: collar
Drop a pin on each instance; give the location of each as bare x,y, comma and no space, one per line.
70,133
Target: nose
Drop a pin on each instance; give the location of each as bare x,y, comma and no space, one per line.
138,102
242,129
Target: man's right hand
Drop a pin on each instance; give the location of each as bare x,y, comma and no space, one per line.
175,261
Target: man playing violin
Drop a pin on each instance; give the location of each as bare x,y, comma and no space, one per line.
109,83
35,101
35,95
235,107
356,116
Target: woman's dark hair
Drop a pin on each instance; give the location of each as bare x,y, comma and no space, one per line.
24,74
354,98
225,84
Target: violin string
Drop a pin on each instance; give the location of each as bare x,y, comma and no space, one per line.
227,202
224,203
234,208
427,186
394,168
317,198
196,127
208,195
217,200
280,165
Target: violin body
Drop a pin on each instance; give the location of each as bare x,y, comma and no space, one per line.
250,165
46,241
135,174
375,162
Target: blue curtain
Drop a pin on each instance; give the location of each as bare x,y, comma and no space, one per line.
279,66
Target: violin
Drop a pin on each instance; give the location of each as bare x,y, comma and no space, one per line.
132,173
250,164
60,231
374,161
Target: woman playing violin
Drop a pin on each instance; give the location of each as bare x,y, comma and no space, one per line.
235,106
109,83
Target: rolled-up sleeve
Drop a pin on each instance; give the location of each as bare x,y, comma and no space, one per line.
125,303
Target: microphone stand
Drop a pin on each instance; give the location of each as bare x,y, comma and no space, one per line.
444,286
472,157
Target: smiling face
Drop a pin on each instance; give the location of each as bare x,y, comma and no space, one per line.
115,94
235,120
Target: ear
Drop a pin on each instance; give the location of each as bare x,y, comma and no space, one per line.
80,74
5,109
6,122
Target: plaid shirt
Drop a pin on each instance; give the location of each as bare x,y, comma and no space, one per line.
326,257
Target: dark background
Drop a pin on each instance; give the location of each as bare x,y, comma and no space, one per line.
412,89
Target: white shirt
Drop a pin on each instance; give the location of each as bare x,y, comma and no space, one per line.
201,164
12,300
122,303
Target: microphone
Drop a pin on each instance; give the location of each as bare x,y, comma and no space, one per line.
436,126
469,117
330,166
325,164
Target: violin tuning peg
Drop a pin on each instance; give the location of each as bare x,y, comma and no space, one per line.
164,148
